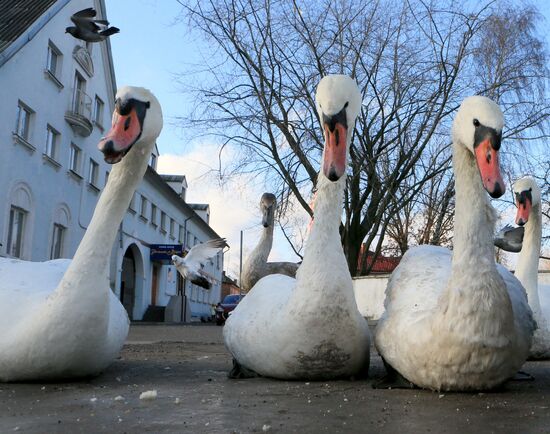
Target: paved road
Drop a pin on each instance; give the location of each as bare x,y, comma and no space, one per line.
187,366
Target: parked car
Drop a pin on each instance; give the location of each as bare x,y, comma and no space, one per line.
224,309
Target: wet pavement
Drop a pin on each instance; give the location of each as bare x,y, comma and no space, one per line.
187,366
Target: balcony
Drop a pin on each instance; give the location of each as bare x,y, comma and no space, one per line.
79,115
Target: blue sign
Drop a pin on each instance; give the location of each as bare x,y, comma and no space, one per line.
164,252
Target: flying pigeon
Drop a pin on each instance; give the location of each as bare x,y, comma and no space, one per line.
510,238
89,29
189,266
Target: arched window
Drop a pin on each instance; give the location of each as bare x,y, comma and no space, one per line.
20,207
61,220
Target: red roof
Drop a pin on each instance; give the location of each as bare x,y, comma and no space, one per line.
382,264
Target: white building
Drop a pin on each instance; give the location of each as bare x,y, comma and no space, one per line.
57,99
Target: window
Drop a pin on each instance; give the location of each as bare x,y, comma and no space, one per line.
163,221
153,214
57,241
98,111
53,63
143,207
172,228
181,234
218,261
79,97
74,159
153,161
132,206
52,138
188,239
24,114
92,174
15,232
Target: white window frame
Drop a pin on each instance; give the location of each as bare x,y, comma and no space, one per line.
143,207
54,52
99,108
93,172
16,250
163,221
52,141
58,237
74,158
23,125
172,228
153,214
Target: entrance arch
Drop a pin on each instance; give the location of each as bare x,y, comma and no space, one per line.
131,278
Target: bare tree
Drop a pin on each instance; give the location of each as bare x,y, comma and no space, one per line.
414,63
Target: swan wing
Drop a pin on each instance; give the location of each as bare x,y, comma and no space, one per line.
24,286
254,328
415,284
523,316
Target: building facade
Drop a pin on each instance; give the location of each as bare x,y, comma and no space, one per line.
58,96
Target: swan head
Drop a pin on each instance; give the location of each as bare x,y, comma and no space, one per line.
338,100
478,126
136,123
268,205
527,195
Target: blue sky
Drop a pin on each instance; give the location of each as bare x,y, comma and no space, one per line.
151,49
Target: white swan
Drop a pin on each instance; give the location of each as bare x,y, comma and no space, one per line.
256,265
529,214
460,323
309,327
59,319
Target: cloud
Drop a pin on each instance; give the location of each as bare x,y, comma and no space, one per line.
233,202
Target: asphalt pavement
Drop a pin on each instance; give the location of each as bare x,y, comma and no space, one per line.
187,367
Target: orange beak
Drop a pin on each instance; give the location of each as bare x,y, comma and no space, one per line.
124,132
523,202
489,168
334,164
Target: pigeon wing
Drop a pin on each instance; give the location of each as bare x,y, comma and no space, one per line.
201,252
84,13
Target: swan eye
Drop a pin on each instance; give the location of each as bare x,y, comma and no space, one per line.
476,123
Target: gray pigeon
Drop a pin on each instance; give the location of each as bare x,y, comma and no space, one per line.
190,266
510,238
89,29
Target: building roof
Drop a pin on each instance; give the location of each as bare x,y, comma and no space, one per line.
161,184
382,264
17,16
199,206
173,178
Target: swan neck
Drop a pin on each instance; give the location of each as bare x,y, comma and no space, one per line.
474,220
324,273
528,261
262,250
93,254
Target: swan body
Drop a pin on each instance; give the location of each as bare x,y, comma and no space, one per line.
190,266
256,265
59,318
457,321
529,215
310,327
